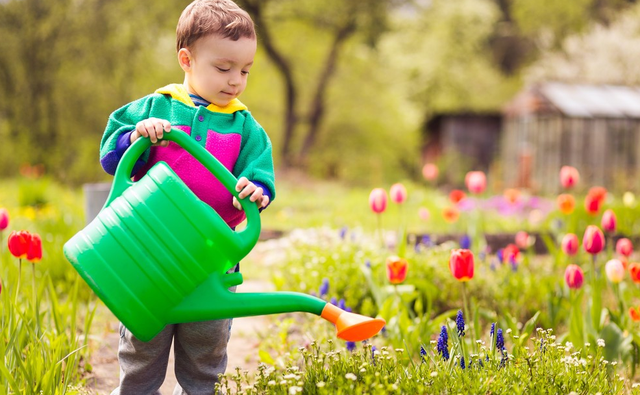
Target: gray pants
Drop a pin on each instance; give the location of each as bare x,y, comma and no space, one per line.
200,350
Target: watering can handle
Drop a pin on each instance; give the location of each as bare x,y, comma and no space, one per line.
247,237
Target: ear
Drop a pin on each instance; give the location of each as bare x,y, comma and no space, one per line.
184,59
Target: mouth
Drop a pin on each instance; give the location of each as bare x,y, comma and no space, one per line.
228,93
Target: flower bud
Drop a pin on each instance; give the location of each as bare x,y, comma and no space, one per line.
593,240
378,200
461,264
574,276
569,176
614,270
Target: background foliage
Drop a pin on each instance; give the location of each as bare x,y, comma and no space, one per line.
366,75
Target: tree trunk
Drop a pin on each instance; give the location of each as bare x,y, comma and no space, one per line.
317,109
255,8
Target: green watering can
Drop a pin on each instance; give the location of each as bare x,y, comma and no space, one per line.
178,272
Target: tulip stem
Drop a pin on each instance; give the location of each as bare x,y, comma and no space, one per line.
596,297
467,313
616,288
19,280
35,300
380,236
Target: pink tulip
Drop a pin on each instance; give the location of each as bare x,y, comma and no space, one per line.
522,240
424,213
569,176
615,270
4,219
609,221
574,276
398,193
570,244
430,172
476,181
593,240
378,200
624,247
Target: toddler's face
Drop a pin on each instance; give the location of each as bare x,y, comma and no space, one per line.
220,68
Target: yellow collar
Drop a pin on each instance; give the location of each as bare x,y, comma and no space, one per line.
179,92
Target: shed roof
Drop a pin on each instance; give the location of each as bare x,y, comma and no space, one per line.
581,100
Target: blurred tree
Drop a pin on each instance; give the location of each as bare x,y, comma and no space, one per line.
67,64
605,54
523,26
338,21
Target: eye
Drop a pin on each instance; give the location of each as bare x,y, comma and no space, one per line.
244,72
222,69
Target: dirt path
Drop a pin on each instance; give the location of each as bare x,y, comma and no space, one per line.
242,350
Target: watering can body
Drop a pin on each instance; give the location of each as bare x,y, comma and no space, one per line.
155,241
157,255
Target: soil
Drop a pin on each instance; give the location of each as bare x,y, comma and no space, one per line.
242,350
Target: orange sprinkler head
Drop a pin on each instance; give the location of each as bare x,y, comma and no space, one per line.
350,326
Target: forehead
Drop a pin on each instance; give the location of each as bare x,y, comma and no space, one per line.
242,50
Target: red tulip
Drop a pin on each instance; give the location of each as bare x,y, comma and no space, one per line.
450,214
510,254
609,221
634,272
398,193
461,264
19,243
569,176
378,200
430,172
624,247
4,219
396,269
592,204
34,253
600,193
574,276
566,203
476,181
593,240
570,244
634,313
456,195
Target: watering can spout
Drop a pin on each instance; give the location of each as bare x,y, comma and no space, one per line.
212,300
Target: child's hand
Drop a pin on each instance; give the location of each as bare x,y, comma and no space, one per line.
246,188
153,128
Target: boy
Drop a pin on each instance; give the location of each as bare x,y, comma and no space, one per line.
216,44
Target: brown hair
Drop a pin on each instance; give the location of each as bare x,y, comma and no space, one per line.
220,17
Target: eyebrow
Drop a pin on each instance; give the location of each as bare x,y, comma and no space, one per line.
232,61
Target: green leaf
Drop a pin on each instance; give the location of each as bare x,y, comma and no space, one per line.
265,357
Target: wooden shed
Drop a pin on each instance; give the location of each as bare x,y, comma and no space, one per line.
594,128
471,138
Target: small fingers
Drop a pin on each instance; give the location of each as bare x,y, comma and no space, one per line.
236,203
242,182
265,201
247,190
256,196
141,128
153,128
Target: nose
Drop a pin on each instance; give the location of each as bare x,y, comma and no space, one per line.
235,79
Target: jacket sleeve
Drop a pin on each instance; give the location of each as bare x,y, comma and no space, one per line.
255,160
123,121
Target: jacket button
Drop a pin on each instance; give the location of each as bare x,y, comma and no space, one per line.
200,118
198,138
